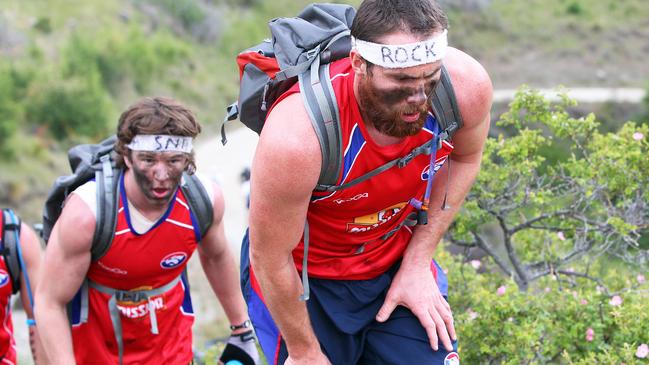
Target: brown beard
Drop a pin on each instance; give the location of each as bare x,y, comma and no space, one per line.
379,109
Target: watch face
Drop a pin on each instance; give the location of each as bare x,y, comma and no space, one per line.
245,324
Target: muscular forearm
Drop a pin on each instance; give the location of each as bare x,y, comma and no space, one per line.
426,238
38,353
222,275
54,332
281,288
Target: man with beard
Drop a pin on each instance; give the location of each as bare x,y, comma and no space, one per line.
375,295
132,305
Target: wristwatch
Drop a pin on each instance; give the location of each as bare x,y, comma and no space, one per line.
245,324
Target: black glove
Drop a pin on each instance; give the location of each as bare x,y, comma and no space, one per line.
242,348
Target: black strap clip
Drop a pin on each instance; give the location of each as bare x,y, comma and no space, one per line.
405,160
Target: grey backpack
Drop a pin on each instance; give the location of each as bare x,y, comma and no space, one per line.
97,161
300,51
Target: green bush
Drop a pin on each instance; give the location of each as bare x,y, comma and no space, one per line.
76,96
14,82
498,324
120,56
574,9
537,216
9,109
189,12
73,107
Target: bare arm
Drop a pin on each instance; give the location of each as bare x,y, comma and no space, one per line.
285,170
220,266
66,263
31,251
474,93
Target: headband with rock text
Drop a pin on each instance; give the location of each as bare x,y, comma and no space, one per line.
403,55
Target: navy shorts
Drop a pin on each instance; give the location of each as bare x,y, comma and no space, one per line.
342,314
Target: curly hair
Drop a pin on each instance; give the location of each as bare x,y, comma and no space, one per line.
155,115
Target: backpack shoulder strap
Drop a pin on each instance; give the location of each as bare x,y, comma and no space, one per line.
199,201
10,233
445,107
107,180
321,105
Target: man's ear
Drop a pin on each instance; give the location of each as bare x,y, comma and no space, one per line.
127,159
358,63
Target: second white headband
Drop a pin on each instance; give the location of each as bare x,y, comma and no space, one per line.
160,143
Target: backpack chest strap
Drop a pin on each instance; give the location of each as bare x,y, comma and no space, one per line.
126,295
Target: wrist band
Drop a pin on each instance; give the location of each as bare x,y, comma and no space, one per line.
30,322
245,324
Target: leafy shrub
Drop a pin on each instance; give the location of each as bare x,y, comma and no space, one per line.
75,98
14,82
120,56
189,12
9,110
555,323
551,214
73,107
574,8
43,25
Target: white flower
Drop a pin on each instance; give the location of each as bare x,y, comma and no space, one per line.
476,264
616,300
501,290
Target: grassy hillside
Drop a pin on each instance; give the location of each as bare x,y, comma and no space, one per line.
550,42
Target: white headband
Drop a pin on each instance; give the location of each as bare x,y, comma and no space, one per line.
403,55
160,143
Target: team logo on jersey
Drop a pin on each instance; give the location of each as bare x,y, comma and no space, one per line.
173,260
4,278
374,220
438,165
452,359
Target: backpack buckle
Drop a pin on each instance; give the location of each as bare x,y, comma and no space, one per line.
405,160
312,52
443,135
130,296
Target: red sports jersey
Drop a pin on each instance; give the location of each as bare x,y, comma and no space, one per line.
346,227
141,261
7,342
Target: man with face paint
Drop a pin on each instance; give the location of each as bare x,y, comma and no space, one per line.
132,305
375,295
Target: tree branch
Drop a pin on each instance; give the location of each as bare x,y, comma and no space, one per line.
485,246
511,253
